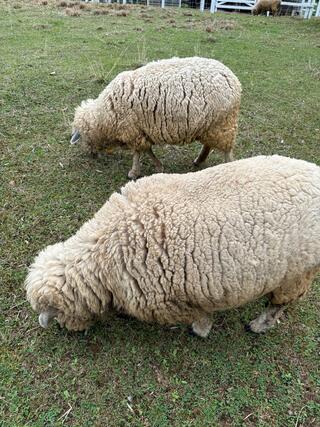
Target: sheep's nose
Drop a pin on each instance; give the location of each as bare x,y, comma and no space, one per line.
44,319
75,138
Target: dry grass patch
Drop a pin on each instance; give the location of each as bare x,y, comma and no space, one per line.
72,12
41,26
211,39
121,13
100,12
217,25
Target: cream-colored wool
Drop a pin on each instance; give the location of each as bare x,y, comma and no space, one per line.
173,101
176,248
263,6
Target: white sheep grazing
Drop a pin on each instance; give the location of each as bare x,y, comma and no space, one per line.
176,248
174,101
263,6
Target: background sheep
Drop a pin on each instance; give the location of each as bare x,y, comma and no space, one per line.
176,248
263,6
174,101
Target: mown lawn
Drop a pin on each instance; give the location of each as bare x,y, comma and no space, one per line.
125,373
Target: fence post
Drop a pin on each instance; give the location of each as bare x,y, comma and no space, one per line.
124,1
202,5
179,3
163,3
311,9
306,10
318,10
213,6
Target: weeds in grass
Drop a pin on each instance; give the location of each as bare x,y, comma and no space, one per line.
314,70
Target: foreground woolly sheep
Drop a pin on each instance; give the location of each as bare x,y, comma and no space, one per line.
177,248
174,101
263,6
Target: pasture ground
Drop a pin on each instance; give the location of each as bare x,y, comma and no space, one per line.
125,373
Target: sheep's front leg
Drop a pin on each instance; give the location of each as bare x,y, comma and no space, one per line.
158,165
202,326
135,171
205,150
266,320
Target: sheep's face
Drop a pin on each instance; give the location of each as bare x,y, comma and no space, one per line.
83,128
88,129
46,289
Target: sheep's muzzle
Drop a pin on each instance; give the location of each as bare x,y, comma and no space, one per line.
46,317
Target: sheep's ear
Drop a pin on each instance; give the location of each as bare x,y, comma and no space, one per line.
75,138
46,317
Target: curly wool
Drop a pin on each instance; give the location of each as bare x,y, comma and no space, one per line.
173,101
176,248
263,6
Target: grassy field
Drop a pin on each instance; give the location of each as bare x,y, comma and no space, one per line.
125,373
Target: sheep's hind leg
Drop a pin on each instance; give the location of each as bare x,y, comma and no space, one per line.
135,171
205,150
201,327
158,165
266,320
228,156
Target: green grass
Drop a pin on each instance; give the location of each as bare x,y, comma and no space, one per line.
125,373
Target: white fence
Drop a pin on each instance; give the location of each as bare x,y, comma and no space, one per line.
304,8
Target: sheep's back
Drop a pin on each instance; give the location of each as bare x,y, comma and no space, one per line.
175,101
266,5
220,237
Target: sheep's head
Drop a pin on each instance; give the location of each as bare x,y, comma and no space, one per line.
89,128
83,127
254,11
50,294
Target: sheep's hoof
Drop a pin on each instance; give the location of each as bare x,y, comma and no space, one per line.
132,175
192,333
160,169
202,327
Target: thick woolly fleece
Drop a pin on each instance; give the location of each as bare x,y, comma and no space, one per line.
173,101
263,6
176,248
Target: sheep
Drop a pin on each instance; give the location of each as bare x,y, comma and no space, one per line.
177,248
174,101
267,6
